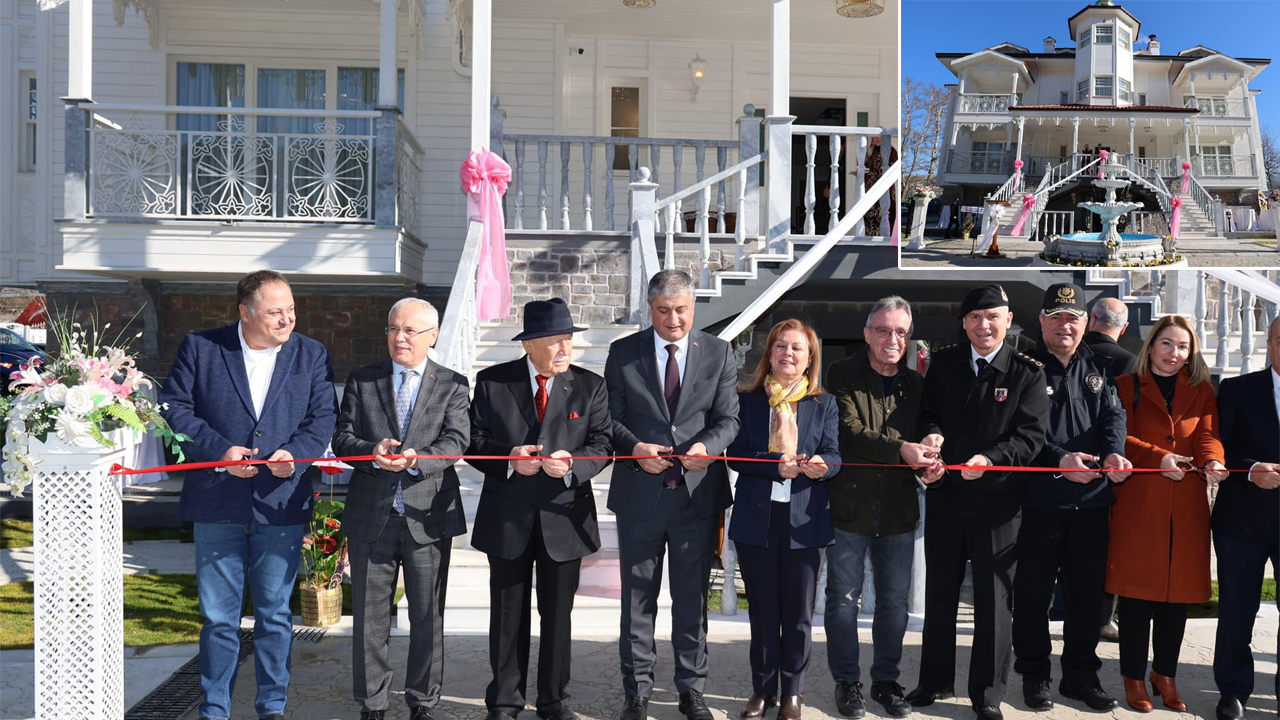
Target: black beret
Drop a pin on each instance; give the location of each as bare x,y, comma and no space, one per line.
984,298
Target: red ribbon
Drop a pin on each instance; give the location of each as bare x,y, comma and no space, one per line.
117,469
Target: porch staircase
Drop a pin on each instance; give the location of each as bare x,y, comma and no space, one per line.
1195,224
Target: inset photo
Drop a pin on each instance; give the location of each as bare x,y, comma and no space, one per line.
1078,135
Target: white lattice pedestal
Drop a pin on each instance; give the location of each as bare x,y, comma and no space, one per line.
79,595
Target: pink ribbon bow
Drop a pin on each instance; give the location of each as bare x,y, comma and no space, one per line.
1017,175
485,177
1175,222
1186,177
1102,155
1028,202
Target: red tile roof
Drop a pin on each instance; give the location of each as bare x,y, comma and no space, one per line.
1108,109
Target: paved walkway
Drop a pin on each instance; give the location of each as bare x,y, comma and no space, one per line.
320,689
1199,253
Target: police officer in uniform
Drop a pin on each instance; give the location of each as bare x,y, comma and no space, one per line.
985,404
1065,516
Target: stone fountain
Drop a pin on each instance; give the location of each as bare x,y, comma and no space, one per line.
1110,248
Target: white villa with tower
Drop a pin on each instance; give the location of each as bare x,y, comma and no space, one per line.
1108,87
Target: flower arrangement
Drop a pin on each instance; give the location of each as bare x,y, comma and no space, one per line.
324,550
89,389
967,226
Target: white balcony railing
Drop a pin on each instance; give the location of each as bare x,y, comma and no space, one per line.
1220,107
204,163
984,163
975,103
1226,166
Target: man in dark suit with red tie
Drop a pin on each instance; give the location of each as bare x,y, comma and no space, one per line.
538,510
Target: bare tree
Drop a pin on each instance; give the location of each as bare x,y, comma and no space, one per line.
1271,157
924,121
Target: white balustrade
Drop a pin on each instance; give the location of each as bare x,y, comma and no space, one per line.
980,163
1226,165
985,103
1055,222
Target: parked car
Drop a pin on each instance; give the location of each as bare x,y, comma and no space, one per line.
14,351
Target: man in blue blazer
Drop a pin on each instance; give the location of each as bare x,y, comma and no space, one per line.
249,390
1246,521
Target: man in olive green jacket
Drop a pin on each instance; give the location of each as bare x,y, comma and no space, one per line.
875,510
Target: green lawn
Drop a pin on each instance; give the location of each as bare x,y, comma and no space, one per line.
158,610
715,599
1210,609
19,533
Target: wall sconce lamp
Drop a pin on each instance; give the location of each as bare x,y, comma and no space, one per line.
699,68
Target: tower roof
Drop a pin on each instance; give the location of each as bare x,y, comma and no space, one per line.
1104,6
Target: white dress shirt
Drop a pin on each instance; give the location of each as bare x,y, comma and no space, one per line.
974,355
660,350
415,384
258,365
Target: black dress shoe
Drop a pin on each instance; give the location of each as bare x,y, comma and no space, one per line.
923,697
889,694
989,712
1095,698
635,708
1230,708
559,712
693,706
498,715
849,699
1036,694
373,714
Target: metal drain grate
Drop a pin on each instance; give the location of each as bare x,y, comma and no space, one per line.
308,635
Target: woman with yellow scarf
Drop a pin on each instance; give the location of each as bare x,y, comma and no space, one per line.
781,518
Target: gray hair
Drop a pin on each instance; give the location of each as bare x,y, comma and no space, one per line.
1110,313
893,302
433,315
670,283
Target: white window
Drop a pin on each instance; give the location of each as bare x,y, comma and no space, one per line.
1104,86
1124,90
1064,97
624,121
27,103
1124,39
1142,98
1082,89
1105,34
1084,38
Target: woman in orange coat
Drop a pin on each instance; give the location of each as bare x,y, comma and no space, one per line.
1158,557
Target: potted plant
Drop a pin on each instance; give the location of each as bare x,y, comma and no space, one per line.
966,227
324,552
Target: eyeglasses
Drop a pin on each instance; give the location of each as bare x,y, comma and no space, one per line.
409,333
884,333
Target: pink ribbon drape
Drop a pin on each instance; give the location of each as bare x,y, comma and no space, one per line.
896,233
1102,155
1028,202
1175,223
1186,178
484,178
1017,175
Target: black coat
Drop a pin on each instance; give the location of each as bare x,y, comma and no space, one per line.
1085,415
502,418
1119,361
1001,413
1250,432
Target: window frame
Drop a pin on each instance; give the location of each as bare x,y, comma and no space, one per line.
1064,97
1104,91
1126,40
28,102
1085,38
1104,38
1082,89
1124,90
1142,99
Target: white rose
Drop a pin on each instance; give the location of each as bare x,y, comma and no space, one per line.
55,394
73,429
79,400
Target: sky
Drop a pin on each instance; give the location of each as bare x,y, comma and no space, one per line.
1240,28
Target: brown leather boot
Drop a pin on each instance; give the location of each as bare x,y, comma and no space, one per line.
1167,689
1135,692
791,707
756,706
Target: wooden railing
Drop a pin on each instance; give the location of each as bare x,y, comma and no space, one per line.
670,208
837,139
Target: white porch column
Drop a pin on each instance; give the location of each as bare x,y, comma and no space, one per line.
387,54
481,68
1075,140
1013,95
1244,83
80,52
1186,141
1254,160
780,61
1132,122
1195,100
964,75
1008,140
1021,126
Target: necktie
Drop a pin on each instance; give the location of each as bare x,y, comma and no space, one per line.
671,391
982,365
404,407
540,397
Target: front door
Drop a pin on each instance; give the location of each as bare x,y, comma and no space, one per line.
819,111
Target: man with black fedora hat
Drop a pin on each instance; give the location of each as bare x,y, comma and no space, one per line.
985,404
538,510
1065,516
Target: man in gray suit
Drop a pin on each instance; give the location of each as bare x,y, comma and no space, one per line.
402,513
672,390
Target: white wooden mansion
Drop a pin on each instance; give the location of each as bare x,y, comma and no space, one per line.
1108,87
153,151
